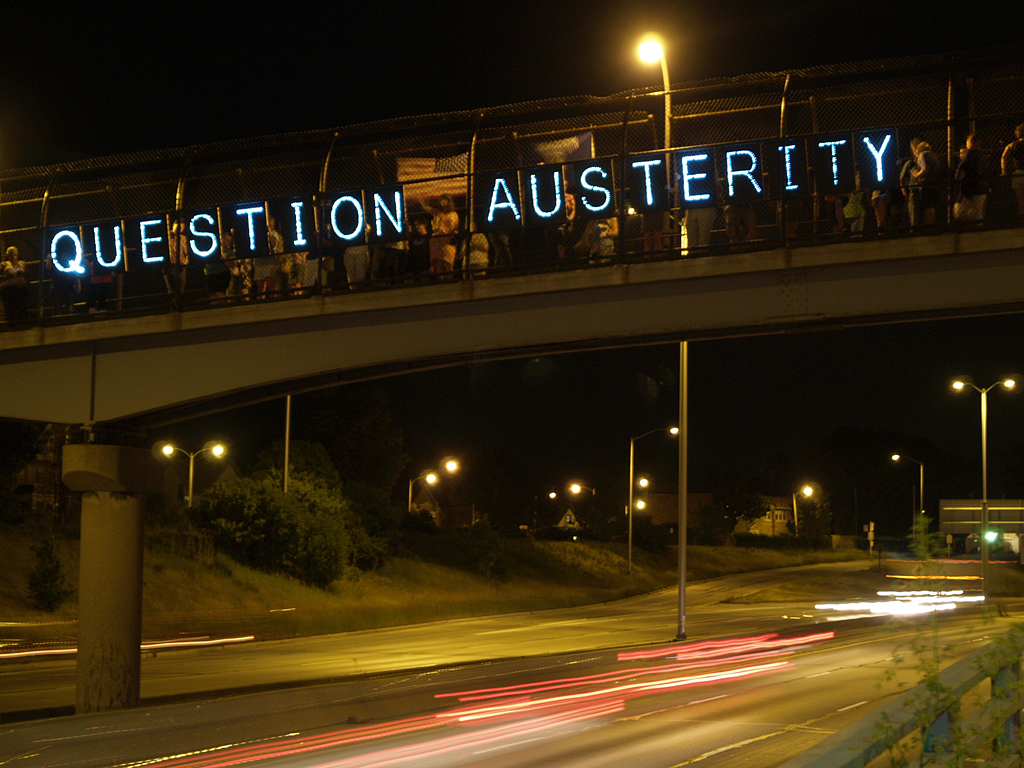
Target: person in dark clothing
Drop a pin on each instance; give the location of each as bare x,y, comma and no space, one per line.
972,181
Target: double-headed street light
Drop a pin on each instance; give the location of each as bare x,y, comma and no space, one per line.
960,385
896,457
632,485
215,449
430,477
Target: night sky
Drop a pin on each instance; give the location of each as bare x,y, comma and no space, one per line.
77,82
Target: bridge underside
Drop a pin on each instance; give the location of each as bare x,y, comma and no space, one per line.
148,370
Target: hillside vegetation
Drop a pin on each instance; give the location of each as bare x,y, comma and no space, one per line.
209,593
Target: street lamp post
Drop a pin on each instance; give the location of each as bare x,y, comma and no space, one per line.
807,492
632,486
451,466
960,385
650,51
217,450
897,457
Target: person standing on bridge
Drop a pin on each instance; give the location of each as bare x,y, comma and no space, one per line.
1013,166
444,225
14,288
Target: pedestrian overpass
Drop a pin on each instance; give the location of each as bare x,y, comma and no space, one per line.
142,371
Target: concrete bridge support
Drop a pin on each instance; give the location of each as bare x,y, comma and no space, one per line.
112,479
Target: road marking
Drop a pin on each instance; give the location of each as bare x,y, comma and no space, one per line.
853,706
820,674
702,701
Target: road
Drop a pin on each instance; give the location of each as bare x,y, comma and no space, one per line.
756,719
652,618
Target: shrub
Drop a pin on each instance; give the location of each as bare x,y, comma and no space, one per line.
48,586
305,533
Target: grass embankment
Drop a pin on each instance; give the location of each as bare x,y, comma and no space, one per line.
213,594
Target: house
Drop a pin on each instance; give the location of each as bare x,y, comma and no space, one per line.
663,509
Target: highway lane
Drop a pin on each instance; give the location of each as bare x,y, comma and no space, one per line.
651,618
680,717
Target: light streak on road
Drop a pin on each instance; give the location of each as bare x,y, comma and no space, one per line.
498,718
191,642
907,603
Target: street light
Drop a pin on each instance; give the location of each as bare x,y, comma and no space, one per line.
168,449
651,50
576,489
806,491
896,457
960,385
643,481
429,476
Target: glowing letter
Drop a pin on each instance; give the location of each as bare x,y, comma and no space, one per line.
75,265
557,179
787,151
395,219
197,233
147,240
749,172
509,202
594,188
99,250
358,229
877,154
299,237
684,167
646,165
249,213
835,158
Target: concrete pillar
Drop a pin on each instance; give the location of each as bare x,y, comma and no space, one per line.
109,602
112,479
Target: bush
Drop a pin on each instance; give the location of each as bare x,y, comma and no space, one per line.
305,533
48,586
784,542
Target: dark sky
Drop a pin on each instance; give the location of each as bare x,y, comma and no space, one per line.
77,82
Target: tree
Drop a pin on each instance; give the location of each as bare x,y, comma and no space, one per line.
18,441
48,586
303,458
307,533
354,424
815,518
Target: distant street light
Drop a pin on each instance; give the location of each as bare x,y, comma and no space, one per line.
576,489
643,484
451,466
896,457
960,385
168,449
807,492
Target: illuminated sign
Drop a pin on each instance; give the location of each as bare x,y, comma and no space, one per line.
537,196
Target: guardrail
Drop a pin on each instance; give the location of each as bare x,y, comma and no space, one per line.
930,716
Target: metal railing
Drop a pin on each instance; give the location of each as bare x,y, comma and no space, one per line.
930,716
941,99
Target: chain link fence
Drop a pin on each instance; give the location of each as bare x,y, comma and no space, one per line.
443,162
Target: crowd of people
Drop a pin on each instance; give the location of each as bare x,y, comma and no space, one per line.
439,248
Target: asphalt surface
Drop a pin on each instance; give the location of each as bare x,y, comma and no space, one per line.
322,690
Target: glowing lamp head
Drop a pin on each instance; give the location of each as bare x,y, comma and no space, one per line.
650,51
674,431
958,385
218,450
431,478
640,504
1009,383
451,466
643,482
895,457
167,450
991,536
575,488
552,495
807,491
